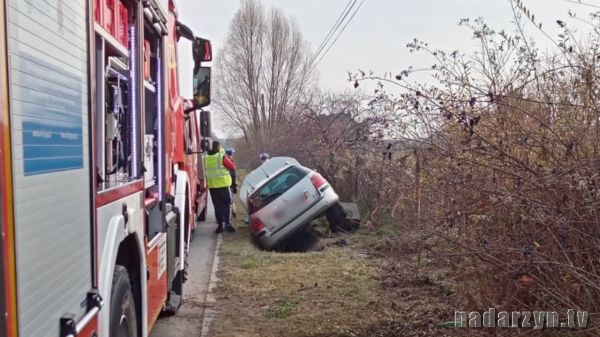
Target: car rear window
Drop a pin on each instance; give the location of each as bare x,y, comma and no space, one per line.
277,186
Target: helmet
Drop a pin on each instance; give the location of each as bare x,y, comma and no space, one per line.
229,151
264,156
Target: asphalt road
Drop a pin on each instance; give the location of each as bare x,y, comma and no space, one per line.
189,320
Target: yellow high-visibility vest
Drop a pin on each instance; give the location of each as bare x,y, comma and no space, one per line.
217,175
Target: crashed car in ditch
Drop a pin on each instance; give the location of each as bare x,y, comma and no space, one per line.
282,198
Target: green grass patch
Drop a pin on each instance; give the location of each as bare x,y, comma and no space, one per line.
283,309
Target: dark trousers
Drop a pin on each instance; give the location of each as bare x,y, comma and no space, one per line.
221,199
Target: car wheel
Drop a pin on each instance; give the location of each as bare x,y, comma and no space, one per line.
338,220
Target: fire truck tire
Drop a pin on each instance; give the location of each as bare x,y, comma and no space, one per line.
193,224
123,318
176,295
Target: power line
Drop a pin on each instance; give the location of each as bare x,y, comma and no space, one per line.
340,33
335,27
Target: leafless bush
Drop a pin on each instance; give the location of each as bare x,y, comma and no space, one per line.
496,167
334,134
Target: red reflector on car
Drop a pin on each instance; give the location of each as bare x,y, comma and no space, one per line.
318,180
256,224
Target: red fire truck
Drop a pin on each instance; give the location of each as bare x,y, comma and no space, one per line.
195,137
99,168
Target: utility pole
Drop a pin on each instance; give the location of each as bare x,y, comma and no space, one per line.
262,122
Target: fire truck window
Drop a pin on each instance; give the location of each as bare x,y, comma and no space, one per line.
118,135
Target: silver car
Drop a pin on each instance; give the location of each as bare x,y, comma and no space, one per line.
282,197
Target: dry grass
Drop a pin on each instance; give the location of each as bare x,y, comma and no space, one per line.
336,291
295,294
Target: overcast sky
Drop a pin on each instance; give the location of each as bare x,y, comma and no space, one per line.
377,36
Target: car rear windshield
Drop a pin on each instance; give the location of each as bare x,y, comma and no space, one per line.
277,186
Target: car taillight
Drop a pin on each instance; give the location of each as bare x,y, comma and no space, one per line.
318,180
256,224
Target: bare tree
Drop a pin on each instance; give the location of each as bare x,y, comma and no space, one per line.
335,133
262,72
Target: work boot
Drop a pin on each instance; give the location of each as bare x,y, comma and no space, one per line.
230,228
219,229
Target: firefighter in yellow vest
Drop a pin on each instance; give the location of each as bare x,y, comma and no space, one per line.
219,181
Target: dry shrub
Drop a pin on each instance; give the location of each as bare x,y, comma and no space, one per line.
497,165
508,172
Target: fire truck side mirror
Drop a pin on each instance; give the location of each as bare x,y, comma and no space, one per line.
202,50
205,124
202,87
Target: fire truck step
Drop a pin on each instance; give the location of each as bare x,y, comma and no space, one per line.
174,302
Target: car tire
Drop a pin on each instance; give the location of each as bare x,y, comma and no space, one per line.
123,317
338,220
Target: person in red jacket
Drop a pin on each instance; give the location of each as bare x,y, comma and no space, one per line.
229,154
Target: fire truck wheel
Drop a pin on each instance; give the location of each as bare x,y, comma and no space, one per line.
175,299
193,224
123,321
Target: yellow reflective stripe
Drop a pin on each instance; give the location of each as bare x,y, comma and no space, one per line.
219,170
217,175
